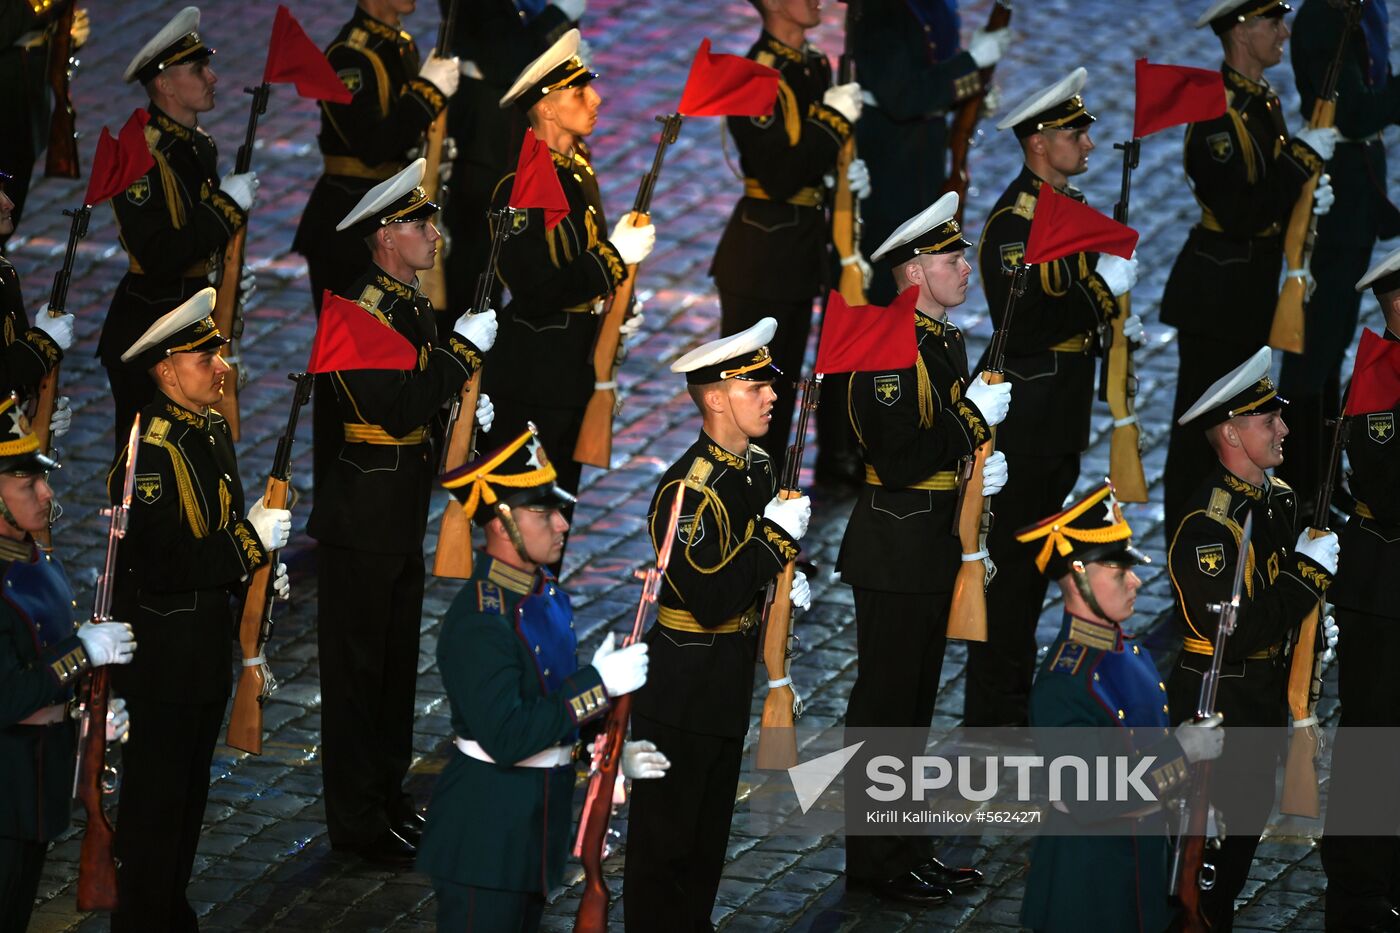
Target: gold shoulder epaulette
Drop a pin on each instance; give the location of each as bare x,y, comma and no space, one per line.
766,58
370,298
699,475
156,431
1025,205
357,39
1219,508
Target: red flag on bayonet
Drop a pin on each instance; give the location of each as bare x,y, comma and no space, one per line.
537,183
349,337
119,162
1169,95
292,58
868,337
728,86
1375,381
1062,227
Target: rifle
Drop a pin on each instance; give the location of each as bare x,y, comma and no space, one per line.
1286,333
255,681
1300,776
62,158
777,744
454,547
972,518
437,144
97,869
1190,858
967,115
228,312
1120,380
845,210
594,445
590,844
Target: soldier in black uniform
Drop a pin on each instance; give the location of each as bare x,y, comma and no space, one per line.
735,536
542,370
175,220
1050,360
370,517
187,555
899,554
772,258
1246,174
29,352
43,652
1363,872
1242,419
1368,100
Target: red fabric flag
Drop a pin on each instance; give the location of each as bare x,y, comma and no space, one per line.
119,162
1168,95
728,86
537,184
868,337
1375,381
1062,227
349,337
292,58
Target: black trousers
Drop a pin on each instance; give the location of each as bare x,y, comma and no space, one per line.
1202,360
335,274
900,639
464,908
1363,872
789,346
1000,670
165,784
21,864
678,830
367,626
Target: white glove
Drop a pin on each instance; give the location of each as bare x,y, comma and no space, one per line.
1201,741
478,329
1132,328
1322,140
471,69
107,642
859,176
987,48
62,418
442,73
273,526
485,413
1330,632
801,592
993,401
281,586
572,9
1119,274
59,329
791,515
118,720
1323,551
1323,195
631,326
641,760
994,474
242,187
633,244
991,101
621,669
247,285
845,99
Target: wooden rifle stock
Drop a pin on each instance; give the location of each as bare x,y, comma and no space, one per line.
436,147
1192,851
965,118
967,613
255,624
608,748
228,312
845,208
61,161
777,743
595,436
1120,379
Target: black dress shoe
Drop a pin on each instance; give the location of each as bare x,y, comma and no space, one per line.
936,873
389,848
908,888
411,828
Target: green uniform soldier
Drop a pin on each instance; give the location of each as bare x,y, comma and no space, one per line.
1097,676
498,830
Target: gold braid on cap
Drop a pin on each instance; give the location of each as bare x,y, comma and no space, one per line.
1077,101
1267,385
207,330
27,442
575,63
483,481
1059,536
761,359
956,235
416,199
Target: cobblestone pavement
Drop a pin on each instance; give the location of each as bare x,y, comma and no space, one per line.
264,861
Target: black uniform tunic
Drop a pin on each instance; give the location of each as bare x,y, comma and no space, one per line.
29,353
